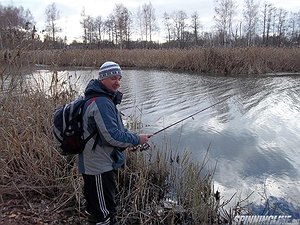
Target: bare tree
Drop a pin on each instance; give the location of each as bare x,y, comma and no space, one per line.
52,15
282,25
99,26
139,22
270,18
123,21
16,24
274,21
149,20
168,25
84,25
90,29
225,10
250,14
145,20
12,17
29,25
264,21
109,27
294,27
180,25
127,24
196,26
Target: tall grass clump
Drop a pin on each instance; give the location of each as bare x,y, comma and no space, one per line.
163,187
34,176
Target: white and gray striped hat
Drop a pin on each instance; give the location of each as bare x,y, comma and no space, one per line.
108,69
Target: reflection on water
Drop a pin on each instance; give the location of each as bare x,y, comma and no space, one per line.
254,136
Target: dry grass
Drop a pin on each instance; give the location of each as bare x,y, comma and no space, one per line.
163,187
234,61
31,169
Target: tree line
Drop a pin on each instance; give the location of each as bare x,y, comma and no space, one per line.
259,25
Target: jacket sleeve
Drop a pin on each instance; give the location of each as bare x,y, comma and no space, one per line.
110,126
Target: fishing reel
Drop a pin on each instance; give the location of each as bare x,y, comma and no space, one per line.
140,148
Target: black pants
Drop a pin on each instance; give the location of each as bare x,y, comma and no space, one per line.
99,192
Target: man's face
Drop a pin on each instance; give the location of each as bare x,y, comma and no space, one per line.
112,83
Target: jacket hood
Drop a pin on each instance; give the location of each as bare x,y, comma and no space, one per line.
96,88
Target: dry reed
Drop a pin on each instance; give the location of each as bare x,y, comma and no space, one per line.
233,61
32,170
163,187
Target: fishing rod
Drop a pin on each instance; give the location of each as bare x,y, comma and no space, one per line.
179,121
146,145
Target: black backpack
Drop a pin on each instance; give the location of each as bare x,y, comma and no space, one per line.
68,127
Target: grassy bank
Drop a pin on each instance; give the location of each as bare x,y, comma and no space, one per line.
201,60
40,186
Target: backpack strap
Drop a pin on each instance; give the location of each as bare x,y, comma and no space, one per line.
95,132
96,139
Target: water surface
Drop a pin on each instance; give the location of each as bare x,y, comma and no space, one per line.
254,136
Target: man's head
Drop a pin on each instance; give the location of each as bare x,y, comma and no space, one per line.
110,75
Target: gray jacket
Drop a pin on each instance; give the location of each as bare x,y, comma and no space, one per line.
101,115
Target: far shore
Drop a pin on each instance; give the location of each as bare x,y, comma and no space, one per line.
223,61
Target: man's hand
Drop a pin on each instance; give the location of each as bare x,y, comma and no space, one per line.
144,138
143,145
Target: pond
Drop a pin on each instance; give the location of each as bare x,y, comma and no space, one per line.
253,136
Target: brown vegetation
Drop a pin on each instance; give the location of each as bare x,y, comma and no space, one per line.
233,61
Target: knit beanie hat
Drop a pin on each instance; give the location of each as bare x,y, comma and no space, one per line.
109,69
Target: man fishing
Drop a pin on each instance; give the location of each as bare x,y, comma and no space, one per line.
104,153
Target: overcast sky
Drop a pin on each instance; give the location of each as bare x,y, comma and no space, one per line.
70,10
